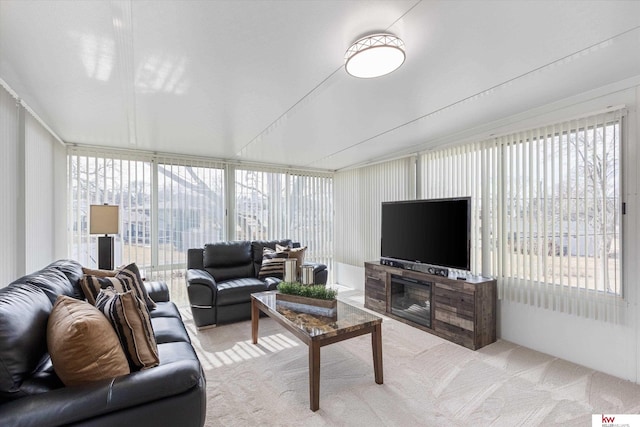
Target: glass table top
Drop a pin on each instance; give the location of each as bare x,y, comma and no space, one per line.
347,318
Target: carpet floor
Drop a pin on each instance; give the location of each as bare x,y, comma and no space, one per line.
428,381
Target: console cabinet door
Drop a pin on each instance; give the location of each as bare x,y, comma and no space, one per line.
454,315
375,289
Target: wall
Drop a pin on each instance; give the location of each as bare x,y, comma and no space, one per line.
607,347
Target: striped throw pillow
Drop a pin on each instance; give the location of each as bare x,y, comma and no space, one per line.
131,271
272,264
126,279
130,318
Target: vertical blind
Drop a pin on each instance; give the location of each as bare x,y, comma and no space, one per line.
169,204
278,204
557,221
457,172
358,197
42,189
9,186
546,211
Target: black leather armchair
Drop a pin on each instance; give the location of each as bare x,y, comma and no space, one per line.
222,276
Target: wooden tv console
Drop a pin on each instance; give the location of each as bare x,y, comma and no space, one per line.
462,311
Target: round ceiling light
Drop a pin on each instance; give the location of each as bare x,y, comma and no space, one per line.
374,56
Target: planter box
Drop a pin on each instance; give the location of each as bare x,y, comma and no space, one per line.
322,307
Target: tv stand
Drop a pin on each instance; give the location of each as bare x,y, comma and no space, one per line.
461,311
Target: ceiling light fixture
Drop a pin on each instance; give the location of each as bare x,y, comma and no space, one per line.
374,56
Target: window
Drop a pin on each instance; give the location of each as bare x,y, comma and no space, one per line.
285,204
546,208
170,204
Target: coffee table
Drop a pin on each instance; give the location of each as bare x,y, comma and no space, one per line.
317,331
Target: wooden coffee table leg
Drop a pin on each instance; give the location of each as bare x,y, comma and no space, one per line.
314,375
376,345
255,315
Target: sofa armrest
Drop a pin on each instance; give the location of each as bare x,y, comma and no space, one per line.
158,291
272,283
201,277
201,288
79,403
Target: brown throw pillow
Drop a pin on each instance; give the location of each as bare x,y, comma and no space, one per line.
129,317
296,253
82,343
272,264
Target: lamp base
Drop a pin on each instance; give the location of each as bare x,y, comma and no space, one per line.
105,253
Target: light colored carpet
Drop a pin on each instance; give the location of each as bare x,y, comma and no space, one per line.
427,381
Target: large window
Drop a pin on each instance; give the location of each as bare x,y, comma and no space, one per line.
169,204
546,211
280,204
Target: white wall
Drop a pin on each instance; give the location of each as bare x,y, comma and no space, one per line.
607,347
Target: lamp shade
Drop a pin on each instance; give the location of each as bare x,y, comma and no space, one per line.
374,56
103,219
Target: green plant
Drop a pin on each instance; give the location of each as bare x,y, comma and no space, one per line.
310,291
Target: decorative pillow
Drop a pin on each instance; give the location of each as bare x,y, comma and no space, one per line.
131,271
82,343
126,279
296,253
99,273
91,286
130,319
272,264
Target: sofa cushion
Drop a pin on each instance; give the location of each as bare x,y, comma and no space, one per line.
130,319
238,290
169,329
24,310
228,260
165,309
272,263
82,343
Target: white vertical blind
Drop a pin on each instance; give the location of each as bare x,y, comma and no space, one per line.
284,204
546,211
190,211
359,194
42,200
457,172
97,177
559,219
8,186
169,204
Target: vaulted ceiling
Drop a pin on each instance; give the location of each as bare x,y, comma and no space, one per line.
263,81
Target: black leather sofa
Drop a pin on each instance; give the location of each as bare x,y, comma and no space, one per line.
170,394
222,276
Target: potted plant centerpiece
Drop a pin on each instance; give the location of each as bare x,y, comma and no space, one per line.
315,299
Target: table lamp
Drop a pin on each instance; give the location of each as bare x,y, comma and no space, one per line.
103,219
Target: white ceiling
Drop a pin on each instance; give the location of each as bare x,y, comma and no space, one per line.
263,81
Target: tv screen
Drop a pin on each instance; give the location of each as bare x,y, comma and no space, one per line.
435,232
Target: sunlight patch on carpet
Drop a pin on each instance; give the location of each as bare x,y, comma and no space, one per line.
245,350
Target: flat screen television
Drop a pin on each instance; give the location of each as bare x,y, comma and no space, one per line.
435,232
